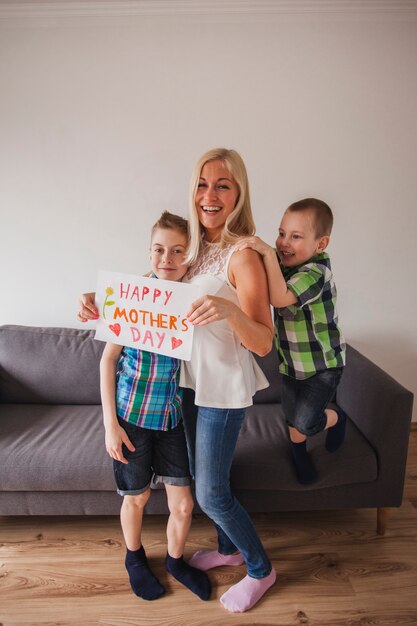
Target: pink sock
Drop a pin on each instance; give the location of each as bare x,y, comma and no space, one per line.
206,560
246,593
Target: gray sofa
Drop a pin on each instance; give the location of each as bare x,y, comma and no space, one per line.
53,460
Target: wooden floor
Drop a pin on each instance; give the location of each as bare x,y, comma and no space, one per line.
333,570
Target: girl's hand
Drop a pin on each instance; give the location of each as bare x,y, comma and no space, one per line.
255,243
210,309
88,310
115,437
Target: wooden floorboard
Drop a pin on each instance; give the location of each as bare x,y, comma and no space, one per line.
333,570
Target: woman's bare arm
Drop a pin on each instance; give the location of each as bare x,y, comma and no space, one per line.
252,320
279,294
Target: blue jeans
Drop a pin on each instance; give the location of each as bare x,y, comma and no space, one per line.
211,437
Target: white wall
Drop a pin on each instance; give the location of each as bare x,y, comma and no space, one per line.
101,120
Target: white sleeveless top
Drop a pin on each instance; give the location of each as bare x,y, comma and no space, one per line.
222,372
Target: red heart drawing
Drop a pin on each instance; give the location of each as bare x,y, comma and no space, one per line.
115,328
175,343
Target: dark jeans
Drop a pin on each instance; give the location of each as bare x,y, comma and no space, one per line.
159,456
304,401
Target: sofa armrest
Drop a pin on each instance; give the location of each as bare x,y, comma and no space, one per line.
381,409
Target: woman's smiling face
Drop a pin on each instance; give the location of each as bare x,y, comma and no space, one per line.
216,197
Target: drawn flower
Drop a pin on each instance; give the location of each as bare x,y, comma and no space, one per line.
107,302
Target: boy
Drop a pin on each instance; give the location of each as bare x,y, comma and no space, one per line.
310,345
142,412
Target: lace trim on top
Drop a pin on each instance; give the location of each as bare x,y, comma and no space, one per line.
211,260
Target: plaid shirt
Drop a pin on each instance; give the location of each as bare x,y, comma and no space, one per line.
147,392
307,335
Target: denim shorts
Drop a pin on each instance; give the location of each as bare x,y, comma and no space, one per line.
160,456
304,401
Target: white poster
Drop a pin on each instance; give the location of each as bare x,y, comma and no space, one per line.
145,313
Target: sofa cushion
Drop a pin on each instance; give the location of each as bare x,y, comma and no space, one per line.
264,439
49,365
53,448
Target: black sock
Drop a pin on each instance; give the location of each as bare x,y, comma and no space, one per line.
336,434
195,579
144,584
306,472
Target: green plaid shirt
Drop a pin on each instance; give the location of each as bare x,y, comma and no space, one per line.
307,334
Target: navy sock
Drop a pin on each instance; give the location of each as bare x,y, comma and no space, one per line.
336,434
195,579
144,584
306,472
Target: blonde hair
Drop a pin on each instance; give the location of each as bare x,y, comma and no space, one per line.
240,221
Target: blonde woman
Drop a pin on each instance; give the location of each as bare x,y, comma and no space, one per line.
231,320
